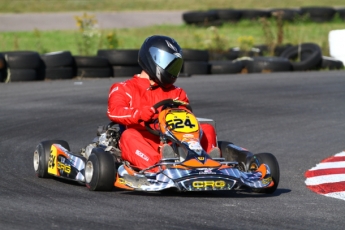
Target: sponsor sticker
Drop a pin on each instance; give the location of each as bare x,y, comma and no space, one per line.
142,155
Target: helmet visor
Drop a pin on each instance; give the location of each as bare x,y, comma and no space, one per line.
167,61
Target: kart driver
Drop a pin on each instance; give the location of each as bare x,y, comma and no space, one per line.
130,103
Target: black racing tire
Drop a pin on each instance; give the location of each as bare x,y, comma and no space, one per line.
22,59
331,63
57,59
199,17
21,75
319,14
120,57
195,55
225,67
269,64
270,160
312,56
55,73
42,154
91,61
100,171
229,15
253,14
196,67
94,72
126,71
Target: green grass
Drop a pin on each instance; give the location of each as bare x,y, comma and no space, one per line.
7,6
187,36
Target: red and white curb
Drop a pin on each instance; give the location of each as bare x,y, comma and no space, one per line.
328,177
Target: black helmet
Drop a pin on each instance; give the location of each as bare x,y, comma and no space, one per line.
161,58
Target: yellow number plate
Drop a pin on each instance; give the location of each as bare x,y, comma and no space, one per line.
182,121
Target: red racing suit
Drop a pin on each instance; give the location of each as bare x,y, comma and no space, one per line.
138,146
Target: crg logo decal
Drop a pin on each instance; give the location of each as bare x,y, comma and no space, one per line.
142,155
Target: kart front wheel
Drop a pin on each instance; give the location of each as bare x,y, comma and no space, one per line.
100,171
270,160
42,154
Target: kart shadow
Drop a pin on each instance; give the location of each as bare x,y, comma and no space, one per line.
243,193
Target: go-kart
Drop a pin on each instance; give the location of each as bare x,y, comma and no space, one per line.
100,167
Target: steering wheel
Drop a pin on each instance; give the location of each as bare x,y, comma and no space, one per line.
167,103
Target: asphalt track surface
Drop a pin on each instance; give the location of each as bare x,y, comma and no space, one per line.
299,117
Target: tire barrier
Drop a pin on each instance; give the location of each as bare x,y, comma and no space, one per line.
21,65
3,72
268,65
226,67
94,66
30,66
220,16
123,63
306,56
57,65
319,14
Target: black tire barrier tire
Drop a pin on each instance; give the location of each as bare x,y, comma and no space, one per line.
250,14
312,56
199,17
245,62
126,71
287,14
225,67
2,62
269,64
103,170
21,75
58,59
196,67
58,73
3,68
195,55
91,61
42,154
94,72
341,13
331,63
236,52
22,59
229,15
278,50
319,14
270,160
120,57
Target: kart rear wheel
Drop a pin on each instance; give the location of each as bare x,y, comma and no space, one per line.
42,154
270,160
100,171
